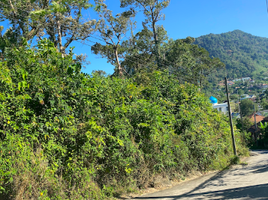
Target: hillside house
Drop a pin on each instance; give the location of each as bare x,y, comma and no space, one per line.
242,79
223,107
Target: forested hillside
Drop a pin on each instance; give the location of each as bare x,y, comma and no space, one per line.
242,53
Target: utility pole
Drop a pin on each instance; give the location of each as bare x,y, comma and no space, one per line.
239,109
241,118
230,117
256,136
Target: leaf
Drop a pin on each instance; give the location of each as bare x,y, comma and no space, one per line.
19,86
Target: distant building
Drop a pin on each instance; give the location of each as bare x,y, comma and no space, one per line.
257,131
223,107
230,82
251,97
242,79
259,118
221,83
264,86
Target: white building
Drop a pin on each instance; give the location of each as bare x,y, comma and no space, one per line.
223,107
246,96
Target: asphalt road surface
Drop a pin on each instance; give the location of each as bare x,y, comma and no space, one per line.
240,182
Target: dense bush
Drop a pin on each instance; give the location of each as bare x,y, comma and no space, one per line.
68,135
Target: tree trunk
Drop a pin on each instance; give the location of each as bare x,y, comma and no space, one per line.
156,41
59,36
120,70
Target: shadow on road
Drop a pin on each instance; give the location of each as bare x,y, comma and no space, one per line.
261,169
255,170
252,192
260,151
202,185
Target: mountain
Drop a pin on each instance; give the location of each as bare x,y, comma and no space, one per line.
243,54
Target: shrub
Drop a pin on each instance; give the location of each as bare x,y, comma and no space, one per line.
78,136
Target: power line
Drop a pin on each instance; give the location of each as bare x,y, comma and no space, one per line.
43,23
267,5
163,62
133,61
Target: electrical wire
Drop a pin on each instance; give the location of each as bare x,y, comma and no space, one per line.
267,5
44,23
163,63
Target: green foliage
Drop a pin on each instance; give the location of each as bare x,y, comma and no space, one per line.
263,139
264,104
144,49
247,107
245,124
263,126
189,62
112,30
242,53
8,39
235,160
60,21
67,135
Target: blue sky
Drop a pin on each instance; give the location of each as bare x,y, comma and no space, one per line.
194,18
200,17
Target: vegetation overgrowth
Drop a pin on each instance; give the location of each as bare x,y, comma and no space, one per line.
69,135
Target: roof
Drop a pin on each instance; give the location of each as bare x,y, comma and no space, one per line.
252,128
222,105
259,118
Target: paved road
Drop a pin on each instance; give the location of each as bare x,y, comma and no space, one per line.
242,182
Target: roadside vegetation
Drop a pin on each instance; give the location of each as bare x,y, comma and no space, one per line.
65,134
68,135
